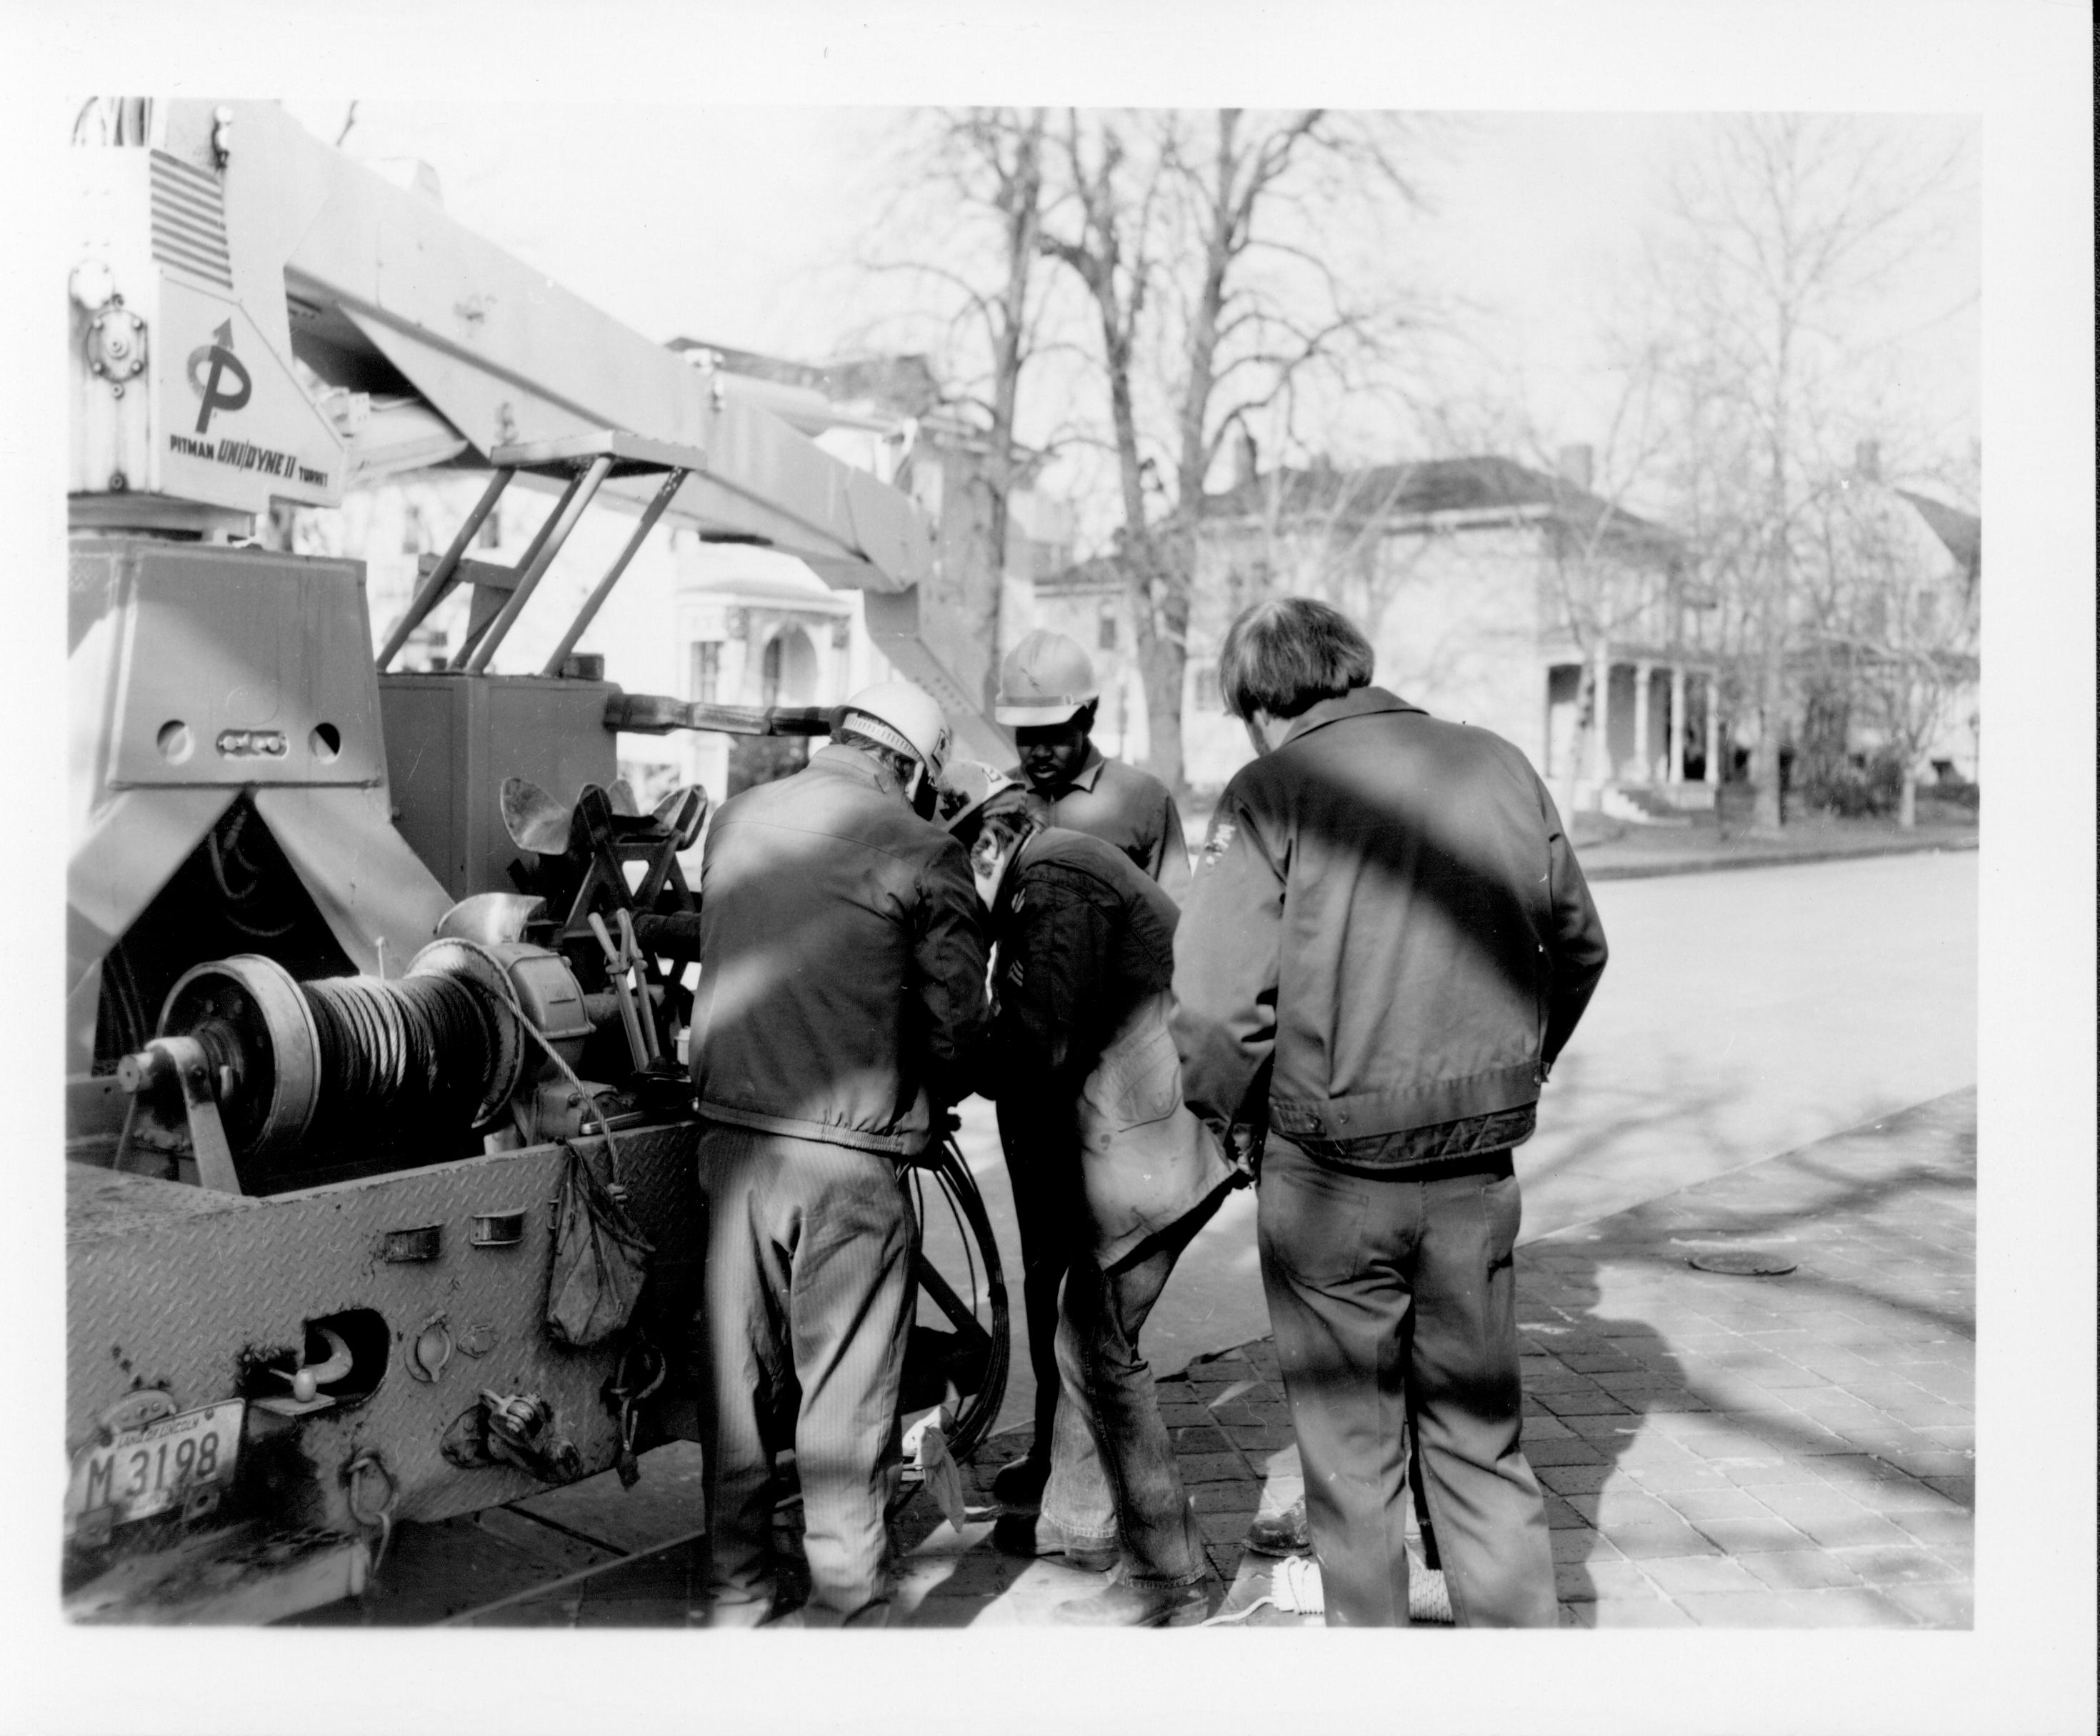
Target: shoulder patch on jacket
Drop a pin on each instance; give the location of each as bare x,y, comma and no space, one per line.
1222,834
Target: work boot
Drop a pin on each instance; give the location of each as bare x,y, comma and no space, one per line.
1121,1604
1030,1536
1019,1486
1285,1533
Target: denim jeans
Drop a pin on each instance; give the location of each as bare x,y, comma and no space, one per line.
1112,1469
1396,1293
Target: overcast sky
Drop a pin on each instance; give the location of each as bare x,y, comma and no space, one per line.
741,225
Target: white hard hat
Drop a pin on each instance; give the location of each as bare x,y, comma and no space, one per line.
968,787
1044,681
904,717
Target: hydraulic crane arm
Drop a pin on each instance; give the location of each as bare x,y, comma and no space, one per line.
259,317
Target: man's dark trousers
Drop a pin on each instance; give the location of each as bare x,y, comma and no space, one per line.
1039,1134
808,1297
1378,1282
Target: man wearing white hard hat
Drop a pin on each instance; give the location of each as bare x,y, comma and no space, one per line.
1048,696
842,1006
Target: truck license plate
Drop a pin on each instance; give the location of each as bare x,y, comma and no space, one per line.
147,1470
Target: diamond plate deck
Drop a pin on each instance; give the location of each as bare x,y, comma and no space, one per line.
171,1286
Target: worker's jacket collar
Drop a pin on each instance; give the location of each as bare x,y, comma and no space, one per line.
843,761
1089,774
1361,702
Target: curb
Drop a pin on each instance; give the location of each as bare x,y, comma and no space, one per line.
1783,859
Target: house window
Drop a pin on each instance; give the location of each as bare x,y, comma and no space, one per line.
1105,639
491,535
414,540
707,670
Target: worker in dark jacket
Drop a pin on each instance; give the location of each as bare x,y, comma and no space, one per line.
842,1005
1388,942
1048,697
1083,1052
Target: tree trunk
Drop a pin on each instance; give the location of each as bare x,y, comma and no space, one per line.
1022,197
1768,814
1164,682
1161,661
1907,803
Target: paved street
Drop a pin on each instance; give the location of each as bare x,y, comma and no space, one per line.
1744,1014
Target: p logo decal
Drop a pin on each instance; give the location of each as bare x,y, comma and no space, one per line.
210,367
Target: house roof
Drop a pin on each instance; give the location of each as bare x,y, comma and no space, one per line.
1484,483
1961,531
1395,492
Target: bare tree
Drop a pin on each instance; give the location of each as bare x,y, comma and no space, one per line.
1774,231
1207,244
972,180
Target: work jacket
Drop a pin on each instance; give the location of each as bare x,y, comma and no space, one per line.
1388,931
843,962
1085,961
1128,808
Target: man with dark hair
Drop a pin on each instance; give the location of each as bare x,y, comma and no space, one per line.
1082,1047
1290,651
1387,942
841,1008
1047,696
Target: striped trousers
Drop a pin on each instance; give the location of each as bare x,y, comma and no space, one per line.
808,1302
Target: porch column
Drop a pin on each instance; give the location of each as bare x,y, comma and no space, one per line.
1644,679
1713,729
1600,716
1677,723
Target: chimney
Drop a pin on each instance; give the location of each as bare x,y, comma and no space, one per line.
1867,461
1244,459
1575,467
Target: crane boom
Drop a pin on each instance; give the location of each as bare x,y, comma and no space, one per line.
259,317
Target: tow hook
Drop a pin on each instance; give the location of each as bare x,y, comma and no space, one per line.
371,1517
307,1382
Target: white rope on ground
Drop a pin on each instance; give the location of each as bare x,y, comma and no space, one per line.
1296,1590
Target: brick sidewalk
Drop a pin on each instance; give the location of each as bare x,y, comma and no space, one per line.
1792,1450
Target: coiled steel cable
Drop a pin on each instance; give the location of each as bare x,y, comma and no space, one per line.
420,1046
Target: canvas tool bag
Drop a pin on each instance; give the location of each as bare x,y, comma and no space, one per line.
600,1264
